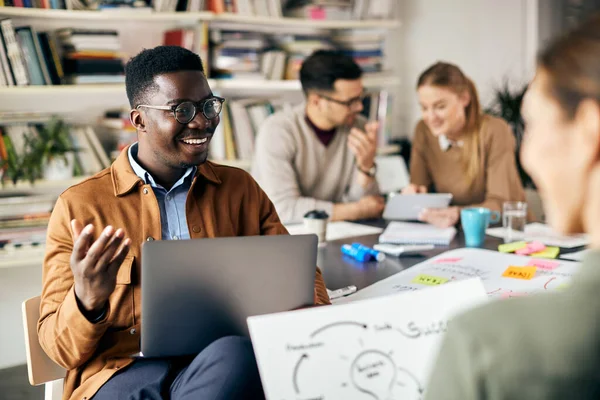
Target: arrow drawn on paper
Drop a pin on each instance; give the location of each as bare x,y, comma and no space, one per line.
296,368
358,324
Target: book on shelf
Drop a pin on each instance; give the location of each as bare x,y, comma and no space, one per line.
24,218
312,9
240,122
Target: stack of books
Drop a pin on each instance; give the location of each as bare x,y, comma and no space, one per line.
92,56
237,54
364,45
24,219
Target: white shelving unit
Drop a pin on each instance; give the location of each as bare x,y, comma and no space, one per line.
71,98
66,16
144,29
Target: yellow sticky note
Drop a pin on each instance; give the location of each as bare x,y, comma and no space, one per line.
525,273
511,247
429,280
549,252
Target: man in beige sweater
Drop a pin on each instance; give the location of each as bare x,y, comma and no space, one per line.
321,154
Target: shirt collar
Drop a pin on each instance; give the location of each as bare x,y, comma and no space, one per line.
146,176
446,143
124,178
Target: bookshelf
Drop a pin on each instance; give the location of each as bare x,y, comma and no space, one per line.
183,17
145,28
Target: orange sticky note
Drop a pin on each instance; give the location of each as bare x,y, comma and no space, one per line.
525,273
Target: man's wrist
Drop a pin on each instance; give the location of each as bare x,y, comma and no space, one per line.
94,315
370,172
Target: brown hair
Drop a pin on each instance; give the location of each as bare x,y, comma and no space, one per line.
450,76
573,66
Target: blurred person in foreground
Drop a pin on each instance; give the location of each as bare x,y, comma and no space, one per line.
544,346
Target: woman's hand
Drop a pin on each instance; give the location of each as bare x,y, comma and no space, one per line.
414,189
440,217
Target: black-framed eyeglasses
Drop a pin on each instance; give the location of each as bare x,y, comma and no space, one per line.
348,103
186,111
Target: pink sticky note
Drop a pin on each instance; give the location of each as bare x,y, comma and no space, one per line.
447,260
533,247
317,13
544,264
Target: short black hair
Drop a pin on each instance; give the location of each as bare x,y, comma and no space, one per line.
323,67
141,69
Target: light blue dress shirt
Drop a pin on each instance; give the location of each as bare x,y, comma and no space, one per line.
173,220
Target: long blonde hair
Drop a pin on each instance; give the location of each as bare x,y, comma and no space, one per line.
451,77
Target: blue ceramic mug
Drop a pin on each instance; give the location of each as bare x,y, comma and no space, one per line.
475,221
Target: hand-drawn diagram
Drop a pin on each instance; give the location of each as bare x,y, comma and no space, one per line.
374,372
379,349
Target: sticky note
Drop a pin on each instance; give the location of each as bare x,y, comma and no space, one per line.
544,264
510,247
447,260
525,273
429,280
549,252
533,247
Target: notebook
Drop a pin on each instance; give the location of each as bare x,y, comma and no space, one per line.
416,233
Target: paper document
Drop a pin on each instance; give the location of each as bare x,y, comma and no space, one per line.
542,233
503,275
338,230
416,233
373,349
576,256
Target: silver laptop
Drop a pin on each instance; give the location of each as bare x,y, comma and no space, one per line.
406,207
197,291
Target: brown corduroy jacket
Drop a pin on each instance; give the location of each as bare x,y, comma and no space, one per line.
222,201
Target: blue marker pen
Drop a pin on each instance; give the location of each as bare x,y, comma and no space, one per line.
357,254
377,255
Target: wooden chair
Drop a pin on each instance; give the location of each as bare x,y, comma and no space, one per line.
40,368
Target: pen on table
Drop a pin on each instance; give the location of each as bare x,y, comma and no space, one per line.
345,291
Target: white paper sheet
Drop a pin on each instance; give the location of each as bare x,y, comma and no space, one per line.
545,234
576,256
374,349
338,230
456,265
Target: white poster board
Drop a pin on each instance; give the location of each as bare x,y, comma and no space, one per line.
377,349
489,266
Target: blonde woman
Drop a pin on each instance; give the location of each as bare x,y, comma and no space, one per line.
544,346
457,149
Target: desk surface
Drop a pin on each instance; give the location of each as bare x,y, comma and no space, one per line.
339,271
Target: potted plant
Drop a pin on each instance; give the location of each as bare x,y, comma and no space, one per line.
47,154
507,105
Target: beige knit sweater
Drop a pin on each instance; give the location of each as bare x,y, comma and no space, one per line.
298,172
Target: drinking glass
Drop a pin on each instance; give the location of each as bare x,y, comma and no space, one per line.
514,219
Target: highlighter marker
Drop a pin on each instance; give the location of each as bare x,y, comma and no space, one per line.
377,255
357,254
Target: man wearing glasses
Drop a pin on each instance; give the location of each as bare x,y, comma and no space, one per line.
321,154
161,187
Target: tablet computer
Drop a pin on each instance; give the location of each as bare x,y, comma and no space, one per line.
406,207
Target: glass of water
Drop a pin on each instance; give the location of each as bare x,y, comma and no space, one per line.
514,219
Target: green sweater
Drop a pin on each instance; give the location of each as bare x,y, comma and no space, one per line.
540,347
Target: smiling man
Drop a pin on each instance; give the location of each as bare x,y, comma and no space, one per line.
160,187
321,154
